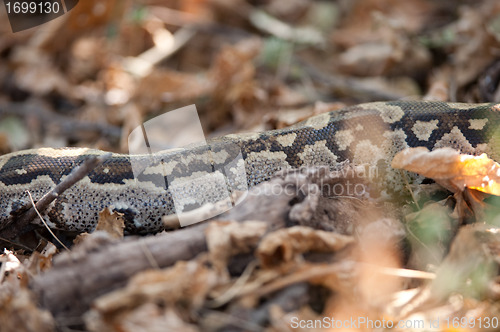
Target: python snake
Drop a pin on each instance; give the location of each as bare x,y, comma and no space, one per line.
364,134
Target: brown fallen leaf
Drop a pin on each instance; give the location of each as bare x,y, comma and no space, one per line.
147,317
233,76
41,261
288,117
285,244
111,222
226,238
451,169
18,308
184,285
472,42
165,85
19,312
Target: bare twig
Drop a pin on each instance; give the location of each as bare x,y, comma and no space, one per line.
76,175
43,221
233,291
6,242
76,273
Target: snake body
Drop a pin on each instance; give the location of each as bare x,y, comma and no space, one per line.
142,186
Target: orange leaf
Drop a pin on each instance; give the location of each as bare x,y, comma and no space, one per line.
451,169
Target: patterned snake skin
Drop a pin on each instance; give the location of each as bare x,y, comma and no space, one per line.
365,134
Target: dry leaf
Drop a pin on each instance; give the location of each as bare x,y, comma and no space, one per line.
41,261
119,85
451,169
11,266
377,38
19,312
473,44
225,239
41,80
285,118
148,317
18,309
164,85
185,282
88,56
233,75
81,238
401,16
111,222
285,244
472,262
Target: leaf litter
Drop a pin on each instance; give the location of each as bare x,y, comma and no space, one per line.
280,259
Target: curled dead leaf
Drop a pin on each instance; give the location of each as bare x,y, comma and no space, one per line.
151,298
451,169
19,312
185,282
41,261
285,244
111,222
225,239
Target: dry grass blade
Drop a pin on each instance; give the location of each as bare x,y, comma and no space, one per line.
43,221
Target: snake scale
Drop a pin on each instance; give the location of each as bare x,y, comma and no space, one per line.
364,134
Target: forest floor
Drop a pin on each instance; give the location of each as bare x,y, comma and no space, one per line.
278,261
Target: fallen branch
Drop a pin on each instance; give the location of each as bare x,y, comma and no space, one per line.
80,276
